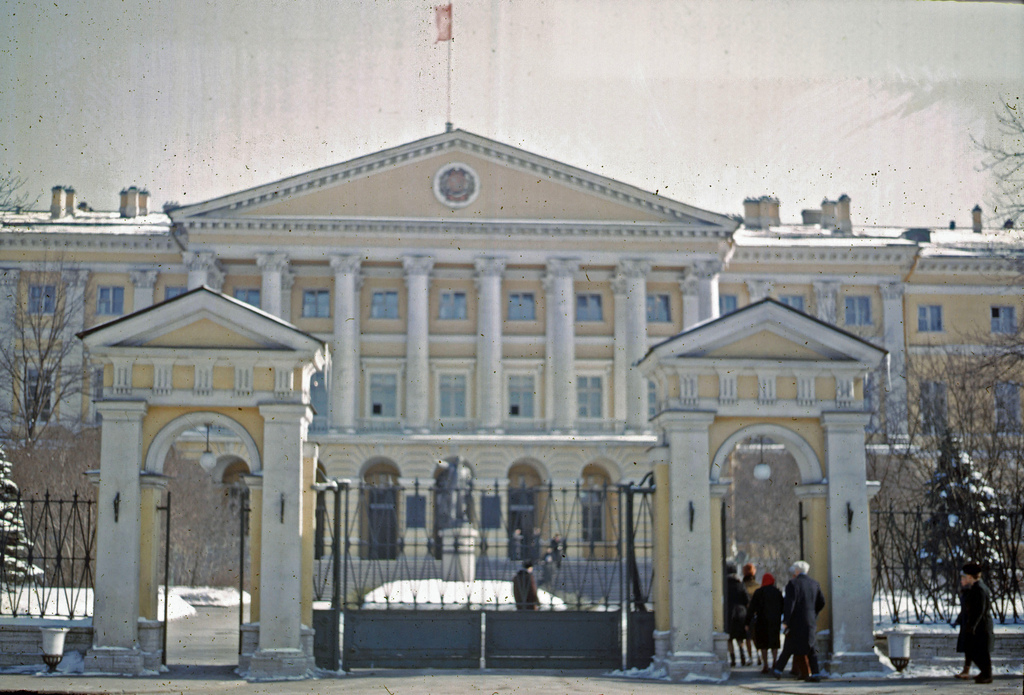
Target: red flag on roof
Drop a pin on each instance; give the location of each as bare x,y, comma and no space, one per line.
443,19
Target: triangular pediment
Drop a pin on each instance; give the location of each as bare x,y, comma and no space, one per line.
767,332
454,176
201,320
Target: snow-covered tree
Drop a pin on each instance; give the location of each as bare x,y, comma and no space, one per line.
962,524
14,542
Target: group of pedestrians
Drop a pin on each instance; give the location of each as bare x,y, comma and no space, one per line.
762,612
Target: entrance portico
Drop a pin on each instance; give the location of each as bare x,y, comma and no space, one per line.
203,359
766,370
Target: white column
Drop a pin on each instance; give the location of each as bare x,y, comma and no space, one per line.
759,289
272,266
75,284
895,342
118,517
688,285
9,298
707,273
345,359
630,288
489,342
560,380
692,639
203,269
143,282
826,293
287,282
284,430
417,341
849,542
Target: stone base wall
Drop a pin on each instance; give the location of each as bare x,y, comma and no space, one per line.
939,649
21,642
250,639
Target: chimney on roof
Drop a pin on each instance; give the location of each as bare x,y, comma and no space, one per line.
130,202
829,218
761,213
976,219
811,217
143,202
58,203
843,223
752,213
69,200
770,210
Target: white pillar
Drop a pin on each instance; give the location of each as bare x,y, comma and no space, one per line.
417,341
759,289
272,266
75,284
707,273
345,363
692,639
280,650
203,269
560,381
118,518
688,285
489,342
849,535
287,282
630,287
143,282
895,342
825,296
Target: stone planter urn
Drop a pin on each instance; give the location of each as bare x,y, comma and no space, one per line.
899,649
53,646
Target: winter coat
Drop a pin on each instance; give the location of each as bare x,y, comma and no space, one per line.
961,639
976,619
524,589
736,600
764,614
801,606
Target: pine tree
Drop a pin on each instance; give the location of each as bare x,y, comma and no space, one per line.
961,525
14,542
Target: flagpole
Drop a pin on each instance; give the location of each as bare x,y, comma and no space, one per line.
448,119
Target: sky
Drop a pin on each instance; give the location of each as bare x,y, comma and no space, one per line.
704,102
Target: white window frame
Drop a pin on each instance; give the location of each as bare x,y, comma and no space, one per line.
929,318
449,367
172,291
659,301
930,389
1011,420
1004,319
585,303
604,370
45,301
520,303
373,366
317,292
857,302
246,291
724,300
384,307
106,296
448,304
530,368
791,300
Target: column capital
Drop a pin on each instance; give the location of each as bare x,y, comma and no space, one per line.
77,278
149,480
892,290
825,287
706,269
143,278
346,263
689,284
684,420
205,261
273,411
633,268
488,266
845,420
272,262
562,267
759,289
417,265
253,481
124,411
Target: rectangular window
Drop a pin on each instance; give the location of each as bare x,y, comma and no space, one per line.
453,306
858,310
1004,319
592,515
659,308
588,307
316,304
520,396
929,318
453,395
383,395
1007,407
41,299
38,393
521,306
727,304
795,301
588,396
110,301
933,407
384,305
249,296
172,291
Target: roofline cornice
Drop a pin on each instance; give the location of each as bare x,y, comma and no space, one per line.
882,254
48,241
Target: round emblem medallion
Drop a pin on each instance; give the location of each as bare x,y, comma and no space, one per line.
456,185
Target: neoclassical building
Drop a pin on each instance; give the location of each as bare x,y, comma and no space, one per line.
544,323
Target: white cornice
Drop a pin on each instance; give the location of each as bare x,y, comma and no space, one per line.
977,264
144,243
879,254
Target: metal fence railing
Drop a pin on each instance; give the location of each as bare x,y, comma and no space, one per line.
916,568
47,557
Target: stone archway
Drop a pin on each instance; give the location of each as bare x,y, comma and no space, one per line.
205,358
766,369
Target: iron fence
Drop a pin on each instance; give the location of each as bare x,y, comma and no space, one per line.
47,557
392,541
913,584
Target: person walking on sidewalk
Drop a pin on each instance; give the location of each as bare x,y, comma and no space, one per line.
976,621
764,616
801,605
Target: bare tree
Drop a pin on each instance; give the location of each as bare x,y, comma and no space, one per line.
41,368
12,196
1004,157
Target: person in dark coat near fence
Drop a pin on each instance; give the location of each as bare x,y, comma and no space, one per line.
524,588
764,616
736,600
801,605
976,619
961,640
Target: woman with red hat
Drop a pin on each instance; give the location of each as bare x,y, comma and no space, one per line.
764,615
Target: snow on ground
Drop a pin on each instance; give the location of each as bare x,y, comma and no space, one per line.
427,593
55,603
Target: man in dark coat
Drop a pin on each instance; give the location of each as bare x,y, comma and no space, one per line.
802,603
736,600
765,616
976,620
524,588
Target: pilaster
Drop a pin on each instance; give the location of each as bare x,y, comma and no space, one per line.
489,342
560,380
706,274
345,364
273,267
417,345
203,269
143,282
826,294
630,287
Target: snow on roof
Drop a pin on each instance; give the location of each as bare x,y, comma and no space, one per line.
84,222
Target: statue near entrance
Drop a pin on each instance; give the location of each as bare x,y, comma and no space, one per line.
454,504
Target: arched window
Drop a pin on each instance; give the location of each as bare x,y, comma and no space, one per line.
523,524
594,490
